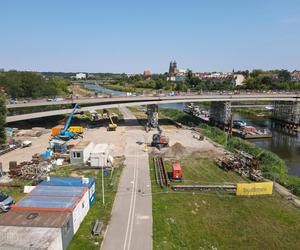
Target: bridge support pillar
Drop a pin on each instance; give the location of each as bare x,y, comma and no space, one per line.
221,116
152,116
286,116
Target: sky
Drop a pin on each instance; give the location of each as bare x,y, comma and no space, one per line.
134,35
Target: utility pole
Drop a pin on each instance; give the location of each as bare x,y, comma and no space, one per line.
103,198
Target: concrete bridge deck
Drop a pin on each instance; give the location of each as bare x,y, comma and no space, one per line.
100,103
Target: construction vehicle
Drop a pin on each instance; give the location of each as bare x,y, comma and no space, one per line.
64,134
176,172
111,126
159,141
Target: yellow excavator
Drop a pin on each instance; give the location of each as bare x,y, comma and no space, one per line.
111,126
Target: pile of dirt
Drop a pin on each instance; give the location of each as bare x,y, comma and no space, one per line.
34,132
177,151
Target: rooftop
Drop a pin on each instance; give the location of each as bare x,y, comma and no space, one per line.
34,218
81,145
18,238
58,191
46,203
68,181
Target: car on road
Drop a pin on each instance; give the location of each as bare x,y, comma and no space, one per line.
5,202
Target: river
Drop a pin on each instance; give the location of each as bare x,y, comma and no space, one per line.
287,147
97,88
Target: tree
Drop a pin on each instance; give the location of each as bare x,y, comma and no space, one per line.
2,120
284,75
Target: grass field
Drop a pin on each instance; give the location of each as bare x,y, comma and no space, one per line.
216,220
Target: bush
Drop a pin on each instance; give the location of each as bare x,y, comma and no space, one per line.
272,166
294,184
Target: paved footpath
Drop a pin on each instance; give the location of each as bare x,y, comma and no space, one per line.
130,227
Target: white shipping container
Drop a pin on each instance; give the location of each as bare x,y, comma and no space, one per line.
99,155
15,237
81,210
81,152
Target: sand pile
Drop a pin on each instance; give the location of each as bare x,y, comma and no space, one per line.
177,151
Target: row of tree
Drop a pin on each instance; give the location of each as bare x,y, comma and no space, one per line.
32,85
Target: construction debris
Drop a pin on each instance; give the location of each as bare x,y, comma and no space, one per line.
29,170
243,163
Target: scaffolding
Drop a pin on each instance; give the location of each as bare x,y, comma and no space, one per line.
220,114
152,116
286,116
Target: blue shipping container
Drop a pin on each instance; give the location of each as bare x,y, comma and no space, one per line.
75,182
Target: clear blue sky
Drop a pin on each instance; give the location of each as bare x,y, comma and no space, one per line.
133,35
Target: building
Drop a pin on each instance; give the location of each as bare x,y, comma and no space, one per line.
80,76
239,79
73,182
36,230
295,75
48,217
81,152
147,73
100,155
57,199
173,68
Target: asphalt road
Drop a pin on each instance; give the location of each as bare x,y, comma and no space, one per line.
131,222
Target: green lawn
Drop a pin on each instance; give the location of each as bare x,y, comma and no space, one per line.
217,220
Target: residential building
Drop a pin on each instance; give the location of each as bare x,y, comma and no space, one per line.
80,76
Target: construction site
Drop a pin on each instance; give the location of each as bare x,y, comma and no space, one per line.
135,170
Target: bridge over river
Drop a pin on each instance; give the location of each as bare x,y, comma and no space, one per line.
89,104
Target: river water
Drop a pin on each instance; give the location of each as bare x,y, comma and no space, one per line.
287,147
98,88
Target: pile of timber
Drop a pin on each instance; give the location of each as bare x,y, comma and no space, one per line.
243,163
229,188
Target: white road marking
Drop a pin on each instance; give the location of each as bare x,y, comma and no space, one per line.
134,202
131,204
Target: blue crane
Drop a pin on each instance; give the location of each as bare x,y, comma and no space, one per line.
64,133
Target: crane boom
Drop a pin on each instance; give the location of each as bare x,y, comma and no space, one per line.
67,124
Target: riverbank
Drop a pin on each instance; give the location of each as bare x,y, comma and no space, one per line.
273,167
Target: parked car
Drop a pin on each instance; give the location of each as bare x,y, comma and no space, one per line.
5,202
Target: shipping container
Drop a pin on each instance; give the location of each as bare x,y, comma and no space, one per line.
38,229
81,152
73,181
99,155
57,199
19,238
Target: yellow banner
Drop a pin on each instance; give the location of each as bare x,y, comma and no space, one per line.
258,188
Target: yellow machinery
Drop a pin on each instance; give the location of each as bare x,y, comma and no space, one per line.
111,126
76,129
